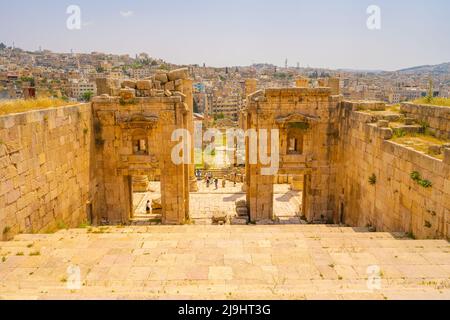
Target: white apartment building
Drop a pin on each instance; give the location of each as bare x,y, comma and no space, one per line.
79,87
140,73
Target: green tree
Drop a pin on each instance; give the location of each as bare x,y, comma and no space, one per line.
219,116
2,46
87,96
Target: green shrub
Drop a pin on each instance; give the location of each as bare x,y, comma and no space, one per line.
399,133
421,182
415,176
425,183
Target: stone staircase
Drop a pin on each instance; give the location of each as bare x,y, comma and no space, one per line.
223,262
146,220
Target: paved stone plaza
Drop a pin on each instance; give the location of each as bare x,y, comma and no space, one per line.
203,204
223,262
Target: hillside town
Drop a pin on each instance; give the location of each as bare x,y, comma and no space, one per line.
218,92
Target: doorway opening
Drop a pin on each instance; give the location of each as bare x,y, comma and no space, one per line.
221,193
146,200
288,198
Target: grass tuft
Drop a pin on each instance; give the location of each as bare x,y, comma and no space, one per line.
21,105
442,102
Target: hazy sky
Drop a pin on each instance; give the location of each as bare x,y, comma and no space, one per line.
316,33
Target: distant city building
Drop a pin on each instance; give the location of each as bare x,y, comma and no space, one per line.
79,88
229,106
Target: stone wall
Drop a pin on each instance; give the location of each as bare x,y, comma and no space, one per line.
118,125
307,115
435,117
44,169
374,186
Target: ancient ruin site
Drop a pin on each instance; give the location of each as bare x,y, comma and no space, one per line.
351,193
215,152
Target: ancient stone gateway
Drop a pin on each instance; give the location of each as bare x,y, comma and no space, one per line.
304,118
134,138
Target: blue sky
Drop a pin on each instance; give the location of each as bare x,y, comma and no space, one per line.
321,33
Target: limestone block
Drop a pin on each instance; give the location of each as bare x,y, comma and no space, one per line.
144,85
12,196
219,217
7,122
157,84
170,86
242,211
409,121
239,221
129,84
382,123
127,94
178,82
447,156
156,204
386,133
178,74
264,222
161,77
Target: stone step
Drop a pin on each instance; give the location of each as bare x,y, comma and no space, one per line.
308,231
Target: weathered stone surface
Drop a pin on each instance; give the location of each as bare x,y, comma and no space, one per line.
127,94
48,184
161,77
239,221
409,121
382,123
209,262
178,74
242,211
144,85
220,217
129,84
169,86
156,204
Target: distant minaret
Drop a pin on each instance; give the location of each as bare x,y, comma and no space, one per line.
298,65
286,63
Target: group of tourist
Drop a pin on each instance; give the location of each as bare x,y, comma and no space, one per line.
210,180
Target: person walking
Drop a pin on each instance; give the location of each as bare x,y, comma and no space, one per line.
148,207
216,183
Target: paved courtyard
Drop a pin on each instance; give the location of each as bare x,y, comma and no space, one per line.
203,204
223,262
